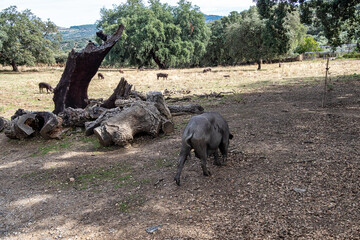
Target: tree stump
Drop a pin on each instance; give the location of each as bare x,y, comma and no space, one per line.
80,68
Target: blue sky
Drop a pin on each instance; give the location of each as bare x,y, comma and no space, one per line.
66,13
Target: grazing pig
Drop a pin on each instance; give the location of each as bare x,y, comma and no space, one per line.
207,70
45,85
163,75
100,76
204,133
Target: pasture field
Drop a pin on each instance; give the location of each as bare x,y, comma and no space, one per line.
293,170
20,90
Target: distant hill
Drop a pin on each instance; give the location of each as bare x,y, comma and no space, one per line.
80,35
210,18
77,34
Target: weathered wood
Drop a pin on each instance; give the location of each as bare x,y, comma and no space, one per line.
177,110
160,104
122,91
4,122
91,125
26,124
76,117
141,117
81,67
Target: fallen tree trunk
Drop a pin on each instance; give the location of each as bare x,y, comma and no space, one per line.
78,117
177,110
81,67
141,117
26,124
90,126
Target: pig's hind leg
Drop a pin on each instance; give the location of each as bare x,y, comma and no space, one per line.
184,154
202,154
224,151
216,158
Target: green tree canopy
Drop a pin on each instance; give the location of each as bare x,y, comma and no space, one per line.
25,39
161,34
217,52
340,19
308,45
245,38
254,38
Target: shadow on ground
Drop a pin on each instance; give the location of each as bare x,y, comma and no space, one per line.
293,172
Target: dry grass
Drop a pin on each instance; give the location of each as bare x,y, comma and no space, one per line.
20,90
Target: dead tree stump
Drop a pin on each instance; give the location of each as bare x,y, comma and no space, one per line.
80,68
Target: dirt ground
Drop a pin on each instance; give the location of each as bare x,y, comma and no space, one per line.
293,172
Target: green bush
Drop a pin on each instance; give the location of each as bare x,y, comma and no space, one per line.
353,54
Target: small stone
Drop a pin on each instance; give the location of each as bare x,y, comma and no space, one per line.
72,179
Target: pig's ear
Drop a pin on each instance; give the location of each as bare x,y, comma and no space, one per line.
231,136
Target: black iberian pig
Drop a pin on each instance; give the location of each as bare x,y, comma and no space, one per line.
204,133
46,86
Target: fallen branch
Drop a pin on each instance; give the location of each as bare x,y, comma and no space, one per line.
177,110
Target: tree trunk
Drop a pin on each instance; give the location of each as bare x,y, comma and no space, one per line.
259,64
80,68
14,66
160,64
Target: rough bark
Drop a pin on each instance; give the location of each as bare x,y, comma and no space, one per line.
177,110
26,124
141,117
81,67
4,122
160,104
78,117
158,99
91,125
122,91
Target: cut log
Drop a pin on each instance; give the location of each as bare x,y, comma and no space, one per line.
81,67
26,124
122,91
4,123
177,110
141,117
